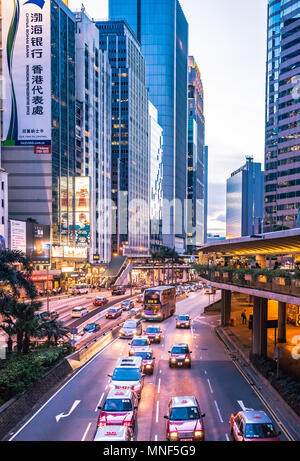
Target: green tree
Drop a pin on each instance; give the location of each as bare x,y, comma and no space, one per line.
52,330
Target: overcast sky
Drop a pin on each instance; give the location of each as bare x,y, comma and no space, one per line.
228,41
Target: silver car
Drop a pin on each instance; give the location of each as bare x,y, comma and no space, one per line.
130,329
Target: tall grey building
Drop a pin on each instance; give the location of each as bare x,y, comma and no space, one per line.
282,153
93,135
245,200
162,30
155,135
130,157
196,226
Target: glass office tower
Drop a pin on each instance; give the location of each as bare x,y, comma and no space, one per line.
244,200
93,130
63,123
282,154
196,159
161,28
130,157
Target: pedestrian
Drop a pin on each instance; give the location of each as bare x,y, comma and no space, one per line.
244,317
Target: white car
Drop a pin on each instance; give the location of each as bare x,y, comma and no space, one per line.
79,312
114,434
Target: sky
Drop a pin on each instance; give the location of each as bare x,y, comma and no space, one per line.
228,40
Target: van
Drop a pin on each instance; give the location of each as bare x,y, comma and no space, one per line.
79,312
128,374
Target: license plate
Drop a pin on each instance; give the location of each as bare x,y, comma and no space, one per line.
180,364
186,440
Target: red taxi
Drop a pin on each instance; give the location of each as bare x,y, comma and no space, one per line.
253,426
180,356
100,302
185,420
148,360
119,409
138,343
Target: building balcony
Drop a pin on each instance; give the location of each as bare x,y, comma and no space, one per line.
280,282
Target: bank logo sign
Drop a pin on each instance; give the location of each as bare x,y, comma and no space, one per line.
27,73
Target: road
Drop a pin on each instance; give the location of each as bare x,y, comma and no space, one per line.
71,413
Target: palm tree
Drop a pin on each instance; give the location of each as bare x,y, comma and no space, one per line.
52,329
9,328
14,278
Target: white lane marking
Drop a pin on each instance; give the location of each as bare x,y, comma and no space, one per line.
86,432
205,372
73,407
96,409
218,411
106,387
57,392
155,438
210,387
160,371
241,404
157,411
227,437
158,390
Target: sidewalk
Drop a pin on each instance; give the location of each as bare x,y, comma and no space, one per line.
286,418
241,303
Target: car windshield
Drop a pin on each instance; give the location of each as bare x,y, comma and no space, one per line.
183,317
90,327
126,374
184,414
129,325
260,431
144,355
112,310
139,342
180,350
152,330
118,405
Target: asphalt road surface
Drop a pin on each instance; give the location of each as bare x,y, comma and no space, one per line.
71,413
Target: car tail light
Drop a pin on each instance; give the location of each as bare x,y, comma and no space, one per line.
198,434
128,424
101,423
173,435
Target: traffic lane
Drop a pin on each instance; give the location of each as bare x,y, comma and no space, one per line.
156,393
88,385
213,379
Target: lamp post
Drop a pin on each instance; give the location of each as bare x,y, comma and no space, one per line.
48,309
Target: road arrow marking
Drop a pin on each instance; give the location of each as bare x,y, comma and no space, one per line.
62,415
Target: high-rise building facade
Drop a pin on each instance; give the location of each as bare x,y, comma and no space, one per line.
162,30
93,136
282,155
39,142
155,135
130,158
196,159
244,200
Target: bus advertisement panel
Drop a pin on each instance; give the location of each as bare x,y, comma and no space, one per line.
159,303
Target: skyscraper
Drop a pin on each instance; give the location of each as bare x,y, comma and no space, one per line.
196,159
93,147
130,158
282,157
162,30
244,200
155,134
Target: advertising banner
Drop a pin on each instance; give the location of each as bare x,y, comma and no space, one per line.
82,211
27,73
75,252
38,243
18,236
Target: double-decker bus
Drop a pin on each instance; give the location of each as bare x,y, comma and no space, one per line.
159,303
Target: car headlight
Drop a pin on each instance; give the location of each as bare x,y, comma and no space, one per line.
173,360
198,434
173,435
131,352
187,360
148,366
157,337
178,324
187,324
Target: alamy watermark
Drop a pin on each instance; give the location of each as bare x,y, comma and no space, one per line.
296,87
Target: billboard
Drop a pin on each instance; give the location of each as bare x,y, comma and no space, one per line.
38,243
26,39
82,211
18,236
75,252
